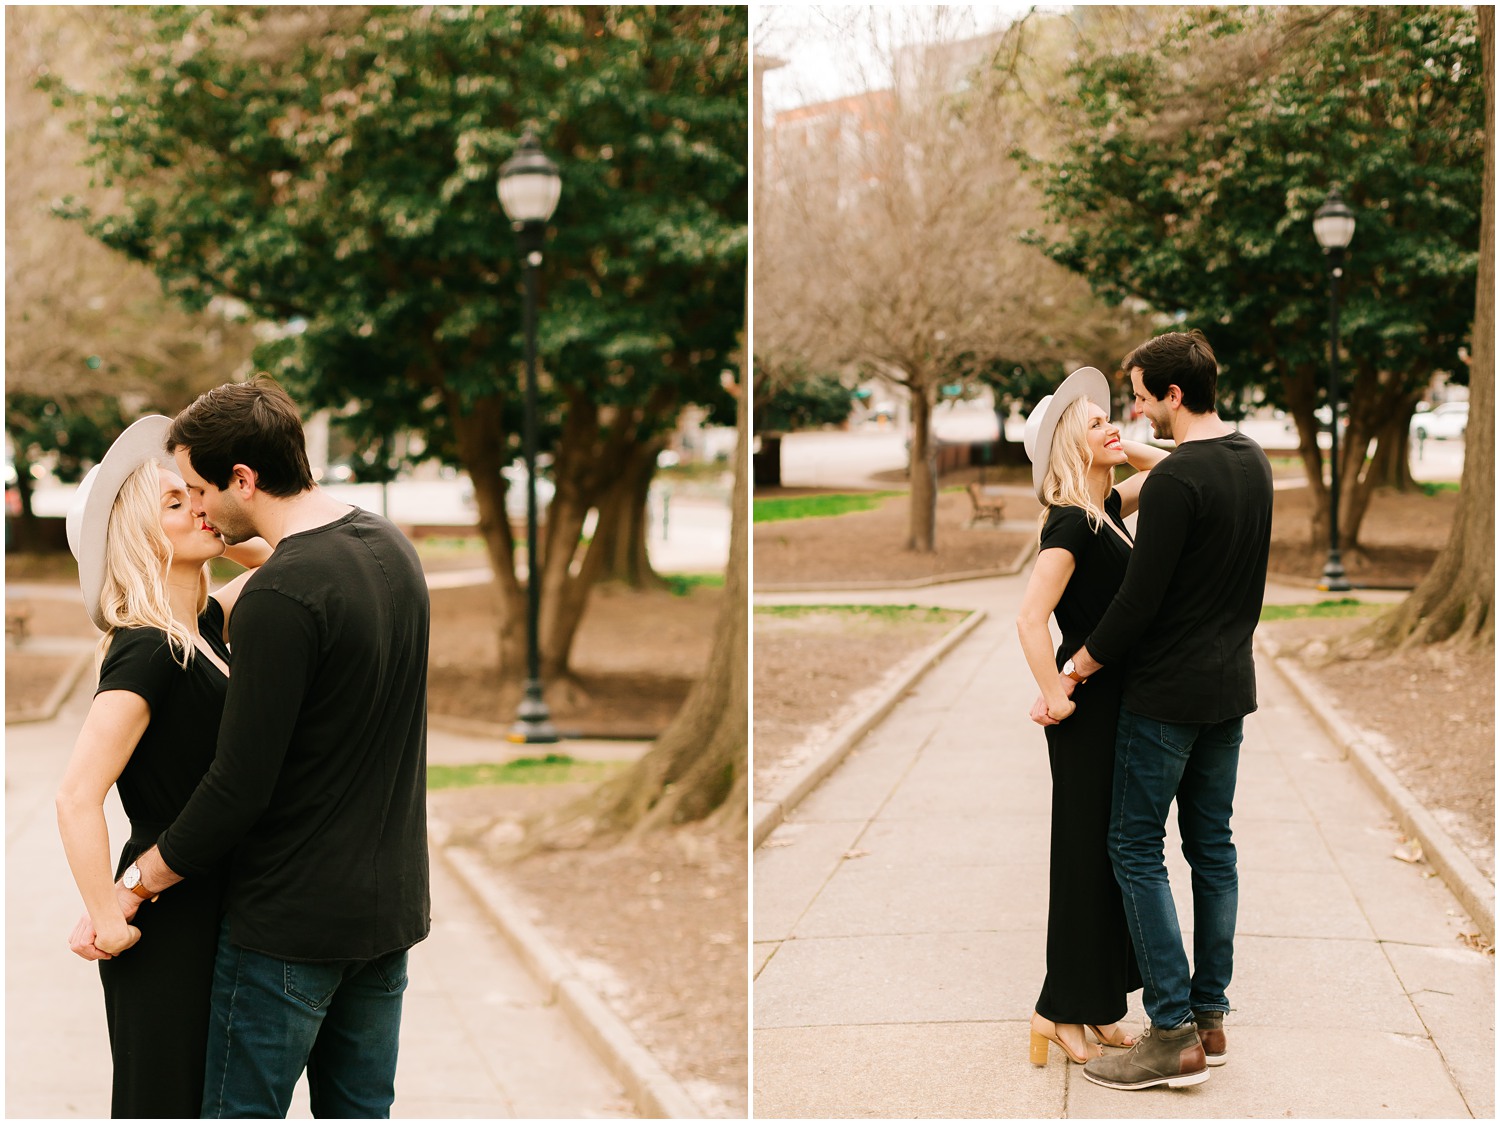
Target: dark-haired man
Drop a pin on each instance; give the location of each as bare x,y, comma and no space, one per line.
319,783
1181,625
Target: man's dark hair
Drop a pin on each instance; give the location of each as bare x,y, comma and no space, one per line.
252,423
1181,359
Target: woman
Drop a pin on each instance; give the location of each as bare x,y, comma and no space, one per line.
1084,551
164,667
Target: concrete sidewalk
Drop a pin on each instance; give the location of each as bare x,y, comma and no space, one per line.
900,922
479,1036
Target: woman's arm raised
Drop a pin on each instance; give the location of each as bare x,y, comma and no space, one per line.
1143,458
252,554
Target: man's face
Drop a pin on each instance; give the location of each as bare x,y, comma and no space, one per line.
220,509
1155,409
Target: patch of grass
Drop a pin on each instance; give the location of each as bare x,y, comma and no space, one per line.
778,509
1433,487
920,614
680,585
555,768
447,548
1345,607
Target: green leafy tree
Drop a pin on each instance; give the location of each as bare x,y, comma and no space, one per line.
1194,162
334,170
91,343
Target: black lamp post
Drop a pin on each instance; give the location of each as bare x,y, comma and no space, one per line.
1333,226
528,187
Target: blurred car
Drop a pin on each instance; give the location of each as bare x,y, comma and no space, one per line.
1446,422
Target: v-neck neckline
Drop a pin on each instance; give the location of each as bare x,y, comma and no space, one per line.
206,651
1118,527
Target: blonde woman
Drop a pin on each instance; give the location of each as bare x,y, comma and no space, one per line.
151,732
1075,449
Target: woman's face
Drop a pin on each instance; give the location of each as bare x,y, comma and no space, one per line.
1104,438
191,541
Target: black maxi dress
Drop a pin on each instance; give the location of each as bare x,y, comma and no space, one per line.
1091,964
156,993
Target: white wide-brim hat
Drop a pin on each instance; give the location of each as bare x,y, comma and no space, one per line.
88,516
1086,382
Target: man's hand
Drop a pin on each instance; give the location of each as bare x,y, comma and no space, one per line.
129,901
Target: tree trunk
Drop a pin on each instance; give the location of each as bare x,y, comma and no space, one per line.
1455,601
28,533
698,768
921,533
1006,450
622,532
481,443
768,461
1392,464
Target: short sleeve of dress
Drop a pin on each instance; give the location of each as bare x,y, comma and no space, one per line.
140,661
1068,528
211,628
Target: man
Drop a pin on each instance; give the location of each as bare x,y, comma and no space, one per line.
1182,624
319,782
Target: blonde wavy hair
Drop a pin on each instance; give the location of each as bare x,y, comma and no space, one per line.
1066,483
137,555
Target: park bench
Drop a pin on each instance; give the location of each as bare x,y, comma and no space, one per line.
986,504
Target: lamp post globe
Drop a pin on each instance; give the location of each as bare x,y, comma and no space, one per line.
1333,227
529,186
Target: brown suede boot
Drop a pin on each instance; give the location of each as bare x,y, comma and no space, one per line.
1211,1032
1162,1057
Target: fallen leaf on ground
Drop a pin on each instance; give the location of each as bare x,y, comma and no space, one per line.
855,854
1411,853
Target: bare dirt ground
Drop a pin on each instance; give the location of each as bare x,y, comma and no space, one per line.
658,927
1400,536
1434,709
815,670
29,678
869,545
637,655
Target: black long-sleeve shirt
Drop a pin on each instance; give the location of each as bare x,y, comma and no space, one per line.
1184,617
319,783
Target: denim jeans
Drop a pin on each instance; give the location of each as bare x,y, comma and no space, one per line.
273,1018
1154,762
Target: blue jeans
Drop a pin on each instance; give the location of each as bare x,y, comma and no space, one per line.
1154,762
272,1018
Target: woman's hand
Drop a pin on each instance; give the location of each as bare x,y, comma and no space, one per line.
1044,713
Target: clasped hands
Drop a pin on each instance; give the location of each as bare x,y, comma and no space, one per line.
84,941
1044,715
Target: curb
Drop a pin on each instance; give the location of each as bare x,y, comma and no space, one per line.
1474,891
771,812
654,1092
59,693
1021,562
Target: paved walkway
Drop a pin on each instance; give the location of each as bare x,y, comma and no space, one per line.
479,1038
900,924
